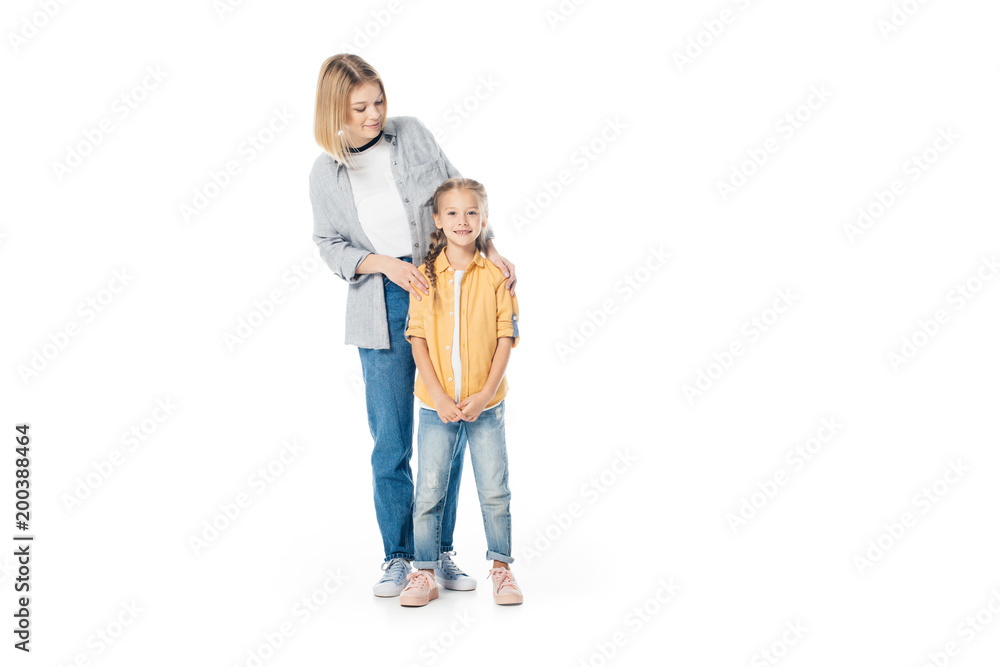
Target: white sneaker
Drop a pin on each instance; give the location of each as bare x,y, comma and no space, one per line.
393,581
451,577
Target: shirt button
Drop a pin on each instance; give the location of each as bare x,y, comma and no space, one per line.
406,201
447,347
413,224
449,379
452,314
451,281
416,245
394,162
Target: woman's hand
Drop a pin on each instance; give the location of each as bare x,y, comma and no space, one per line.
404,274
505,265
472,406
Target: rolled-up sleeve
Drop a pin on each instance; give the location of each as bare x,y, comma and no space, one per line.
414,320
338,253
507,316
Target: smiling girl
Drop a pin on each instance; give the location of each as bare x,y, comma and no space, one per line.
462,335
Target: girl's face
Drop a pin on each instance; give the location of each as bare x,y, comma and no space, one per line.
458,215
364,114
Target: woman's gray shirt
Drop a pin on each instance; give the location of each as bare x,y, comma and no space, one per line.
419,166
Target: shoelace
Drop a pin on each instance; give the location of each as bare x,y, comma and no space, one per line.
394,570
421,579
448,566
506,577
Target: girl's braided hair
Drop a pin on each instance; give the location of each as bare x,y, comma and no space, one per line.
438,240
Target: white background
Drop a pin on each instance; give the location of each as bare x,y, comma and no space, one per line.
599,374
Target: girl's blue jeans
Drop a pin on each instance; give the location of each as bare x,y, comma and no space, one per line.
389,376
437,443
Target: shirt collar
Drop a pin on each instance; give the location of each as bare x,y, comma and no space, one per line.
389,133
390,127
441,263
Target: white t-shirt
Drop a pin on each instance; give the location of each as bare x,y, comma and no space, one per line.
379,204
456,354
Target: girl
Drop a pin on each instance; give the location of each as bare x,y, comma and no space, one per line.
369,190
461,336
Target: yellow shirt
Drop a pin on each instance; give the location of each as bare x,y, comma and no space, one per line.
487,312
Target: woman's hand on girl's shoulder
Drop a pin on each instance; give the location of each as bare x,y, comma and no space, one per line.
407,276
506,267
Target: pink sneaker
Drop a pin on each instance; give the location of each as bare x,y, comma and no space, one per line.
421,589
505,588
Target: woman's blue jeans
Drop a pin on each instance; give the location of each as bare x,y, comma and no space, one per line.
389,376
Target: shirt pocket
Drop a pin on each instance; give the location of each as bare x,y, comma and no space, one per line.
425,178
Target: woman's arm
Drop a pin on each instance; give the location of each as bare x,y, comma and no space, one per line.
347,260
338,253
505,265
404,274
474,404
444,404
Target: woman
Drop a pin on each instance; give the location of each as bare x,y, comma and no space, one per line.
370,193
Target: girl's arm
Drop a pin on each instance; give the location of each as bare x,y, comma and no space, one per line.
445,405
474,404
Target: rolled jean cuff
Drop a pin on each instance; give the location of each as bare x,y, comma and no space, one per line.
500,557
447,549
398,555
427,564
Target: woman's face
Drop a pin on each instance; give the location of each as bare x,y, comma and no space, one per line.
364,114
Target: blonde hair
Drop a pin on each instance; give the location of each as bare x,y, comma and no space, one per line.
438,239
339,76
